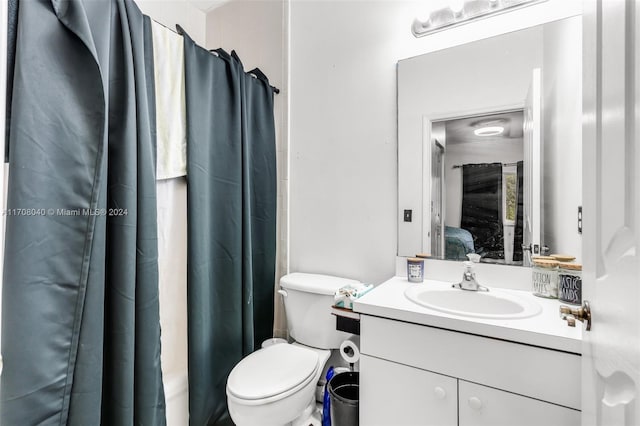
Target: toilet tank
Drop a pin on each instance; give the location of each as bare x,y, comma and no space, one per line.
307,301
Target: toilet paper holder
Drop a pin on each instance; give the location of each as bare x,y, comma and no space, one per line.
350,352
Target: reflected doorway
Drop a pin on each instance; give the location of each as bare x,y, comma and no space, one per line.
477,189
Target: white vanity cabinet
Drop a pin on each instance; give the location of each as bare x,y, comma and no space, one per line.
414,375
395,394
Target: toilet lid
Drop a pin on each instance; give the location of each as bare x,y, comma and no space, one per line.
272,371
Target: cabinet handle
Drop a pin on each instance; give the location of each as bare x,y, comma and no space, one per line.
475,403
440,393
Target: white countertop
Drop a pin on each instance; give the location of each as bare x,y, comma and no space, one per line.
546,329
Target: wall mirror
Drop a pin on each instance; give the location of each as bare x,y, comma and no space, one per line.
489,152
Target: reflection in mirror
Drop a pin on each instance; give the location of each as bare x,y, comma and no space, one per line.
505,196
477,171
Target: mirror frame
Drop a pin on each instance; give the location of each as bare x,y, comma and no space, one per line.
410,237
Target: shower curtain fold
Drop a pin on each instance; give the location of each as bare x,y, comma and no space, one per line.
80,326
231,222
261,188
12,30
518,235
214,219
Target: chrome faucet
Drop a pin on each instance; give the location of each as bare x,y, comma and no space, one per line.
469,282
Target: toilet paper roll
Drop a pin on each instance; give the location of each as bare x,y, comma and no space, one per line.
349,351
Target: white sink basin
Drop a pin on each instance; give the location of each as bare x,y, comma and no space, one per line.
493,304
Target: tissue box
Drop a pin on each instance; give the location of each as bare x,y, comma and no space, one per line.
345,296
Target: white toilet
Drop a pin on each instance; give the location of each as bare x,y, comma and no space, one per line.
276,386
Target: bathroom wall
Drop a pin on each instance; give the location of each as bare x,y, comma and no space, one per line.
562,100
343,133
257,31
172,12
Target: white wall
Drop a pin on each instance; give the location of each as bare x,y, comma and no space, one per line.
562,109
172,12
342,138
257,31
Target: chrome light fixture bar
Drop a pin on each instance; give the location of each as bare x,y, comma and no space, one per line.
471,10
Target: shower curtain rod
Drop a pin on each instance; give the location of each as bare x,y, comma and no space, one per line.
160,23
251,73
459,166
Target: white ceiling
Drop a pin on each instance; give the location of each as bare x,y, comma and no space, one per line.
461,130
207,5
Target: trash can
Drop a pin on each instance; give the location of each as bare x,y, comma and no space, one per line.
344,391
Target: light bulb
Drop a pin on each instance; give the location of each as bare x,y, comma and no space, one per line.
489,131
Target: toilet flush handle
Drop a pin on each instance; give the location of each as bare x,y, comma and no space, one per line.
283,293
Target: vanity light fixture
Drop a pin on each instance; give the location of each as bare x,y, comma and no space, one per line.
489,131
460,12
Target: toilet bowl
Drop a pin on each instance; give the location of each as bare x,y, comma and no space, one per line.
276,385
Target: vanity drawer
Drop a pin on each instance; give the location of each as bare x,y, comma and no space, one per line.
540,373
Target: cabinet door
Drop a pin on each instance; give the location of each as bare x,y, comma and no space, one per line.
484,406
398,395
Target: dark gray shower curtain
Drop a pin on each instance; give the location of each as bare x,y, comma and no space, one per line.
80,326
519,229
482,207
231,180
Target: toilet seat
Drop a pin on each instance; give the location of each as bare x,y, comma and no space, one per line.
272,373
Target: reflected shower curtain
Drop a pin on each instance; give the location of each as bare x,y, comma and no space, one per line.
518,233
482,207
80,326
231,203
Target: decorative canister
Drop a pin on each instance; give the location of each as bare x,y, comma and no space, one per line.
415,270
534,258
544,278
570,283
563,257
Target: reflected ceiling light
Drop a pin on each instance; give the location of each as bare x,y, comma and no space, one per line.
462,11
489,131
